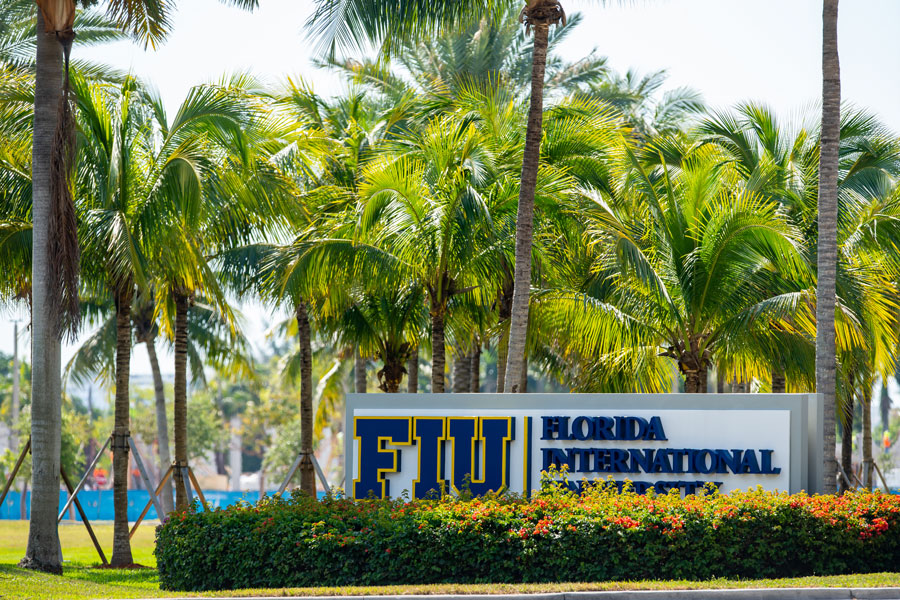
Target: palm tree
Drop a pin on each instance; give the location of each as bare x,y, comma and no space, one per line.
867,344
118,215
538,15
123,182
348,22
782,162
494,50
318,158
214,191
423,205
49,293
146,20
826,357
779,160
43,552
637,97
383,323
690,261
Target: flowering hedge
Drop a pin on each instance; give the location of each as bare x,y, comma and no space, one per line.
557,536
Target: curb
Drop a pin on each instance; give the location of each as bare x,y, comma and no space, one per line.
726,594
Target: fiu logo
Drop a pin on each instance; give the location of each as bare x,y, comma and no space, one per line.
478,454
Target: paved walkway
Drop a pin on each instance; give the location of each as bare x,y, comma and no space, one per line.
742,594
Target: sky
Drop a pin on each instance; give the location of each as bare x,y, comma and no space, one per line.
729,50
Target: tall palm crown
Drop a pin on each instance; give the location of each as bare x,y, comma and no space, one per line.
779,160
350,22
687,260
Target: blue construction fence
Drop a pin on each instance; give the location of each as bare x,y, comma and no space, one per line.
98,504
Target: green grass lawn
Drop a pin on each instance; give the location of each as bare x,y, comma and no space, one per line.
82,580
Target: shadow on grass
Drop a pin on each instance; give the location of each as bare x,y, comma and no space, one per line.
140,578
78,582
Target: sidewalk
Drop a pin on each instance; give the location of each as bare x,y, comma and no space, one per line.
742,594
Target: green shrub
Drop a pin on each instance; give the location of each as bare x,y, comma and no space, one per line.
556,536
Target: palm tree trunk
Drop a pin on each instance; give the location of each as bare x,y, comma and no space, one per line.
779,383
847,447
391,375
826,361
262,480
502,354
359,372
462,375
868,470
476,370
412,372
162,425
307,471
235,447
695,381
518,327
43,551
121,554
437,351
180,398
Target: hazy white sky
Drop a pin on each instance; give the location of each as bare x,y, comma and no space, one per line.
730,50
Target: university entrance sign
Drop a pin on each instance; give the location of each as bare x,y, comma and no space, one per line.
428,444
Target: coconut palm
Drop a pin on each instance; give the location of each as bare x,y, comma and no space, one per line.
354,22
216,194
493,50
867,257
779,160
691,262
826,360
424,206
123,183
383,323
54,271
117,216
319,158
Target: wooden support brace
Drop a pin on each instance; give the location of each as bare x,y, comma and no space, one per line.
15,470
290,474
844,476
881,476
81,483
296,465
144,477
197,487
162,482
315,463
84,518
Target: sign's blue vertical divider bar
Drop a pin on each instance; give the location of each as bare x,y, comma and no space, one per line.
527,461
